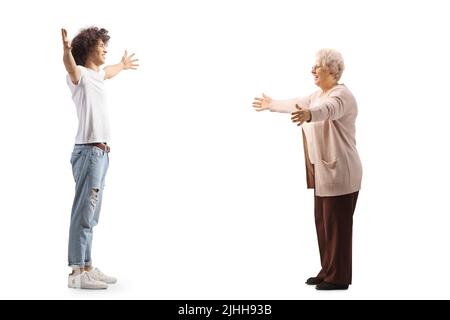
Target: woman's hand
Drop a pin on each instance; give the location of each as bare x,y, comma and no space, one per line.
261,104
301,115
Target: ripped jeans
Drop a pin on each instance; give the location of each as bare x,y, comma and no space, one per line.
89,167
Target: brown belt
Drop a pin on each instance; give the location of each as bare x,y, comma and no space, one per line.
102,146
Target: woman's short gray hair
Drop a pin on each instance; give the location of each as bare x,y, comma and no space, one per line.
332,60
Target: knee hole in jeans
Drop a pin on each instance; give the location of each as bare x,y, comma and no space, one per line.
94,197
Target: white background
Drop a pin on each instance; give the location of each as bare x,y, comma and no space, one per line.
205,198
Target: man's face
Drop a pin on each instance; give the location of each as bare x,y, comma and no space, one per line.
99,53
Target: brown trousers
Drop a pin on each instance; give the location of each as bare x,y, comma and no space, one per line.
334,225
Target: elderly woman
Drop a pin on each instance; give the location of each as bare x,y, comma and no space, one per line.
333,167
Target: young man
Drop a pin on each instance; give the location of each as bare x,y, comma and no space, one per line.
82,59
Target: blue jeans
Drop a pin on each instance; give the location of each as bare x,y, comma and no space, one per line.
89,167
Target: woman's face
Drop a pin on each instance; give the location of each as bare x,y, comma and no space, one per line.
322,75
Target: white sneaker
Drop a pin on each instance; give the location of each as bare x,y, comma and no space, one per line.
85,281
96,274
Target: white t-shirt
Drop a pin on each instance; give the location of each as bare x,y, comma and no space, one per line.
90,101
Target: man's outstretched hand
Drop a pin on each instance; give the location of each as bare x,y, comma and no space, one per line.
129,62
65,39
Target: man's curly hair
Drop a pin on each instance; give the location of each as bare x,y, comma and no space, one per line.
85,42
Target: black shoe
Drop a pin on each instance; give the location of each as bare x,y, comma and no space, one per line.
314,280
331,286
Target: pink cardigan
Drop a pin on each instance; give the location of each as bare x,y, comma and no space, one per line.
332,162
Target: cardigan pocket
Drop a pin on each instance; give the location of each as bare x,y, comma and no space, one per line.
330,172
330,164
